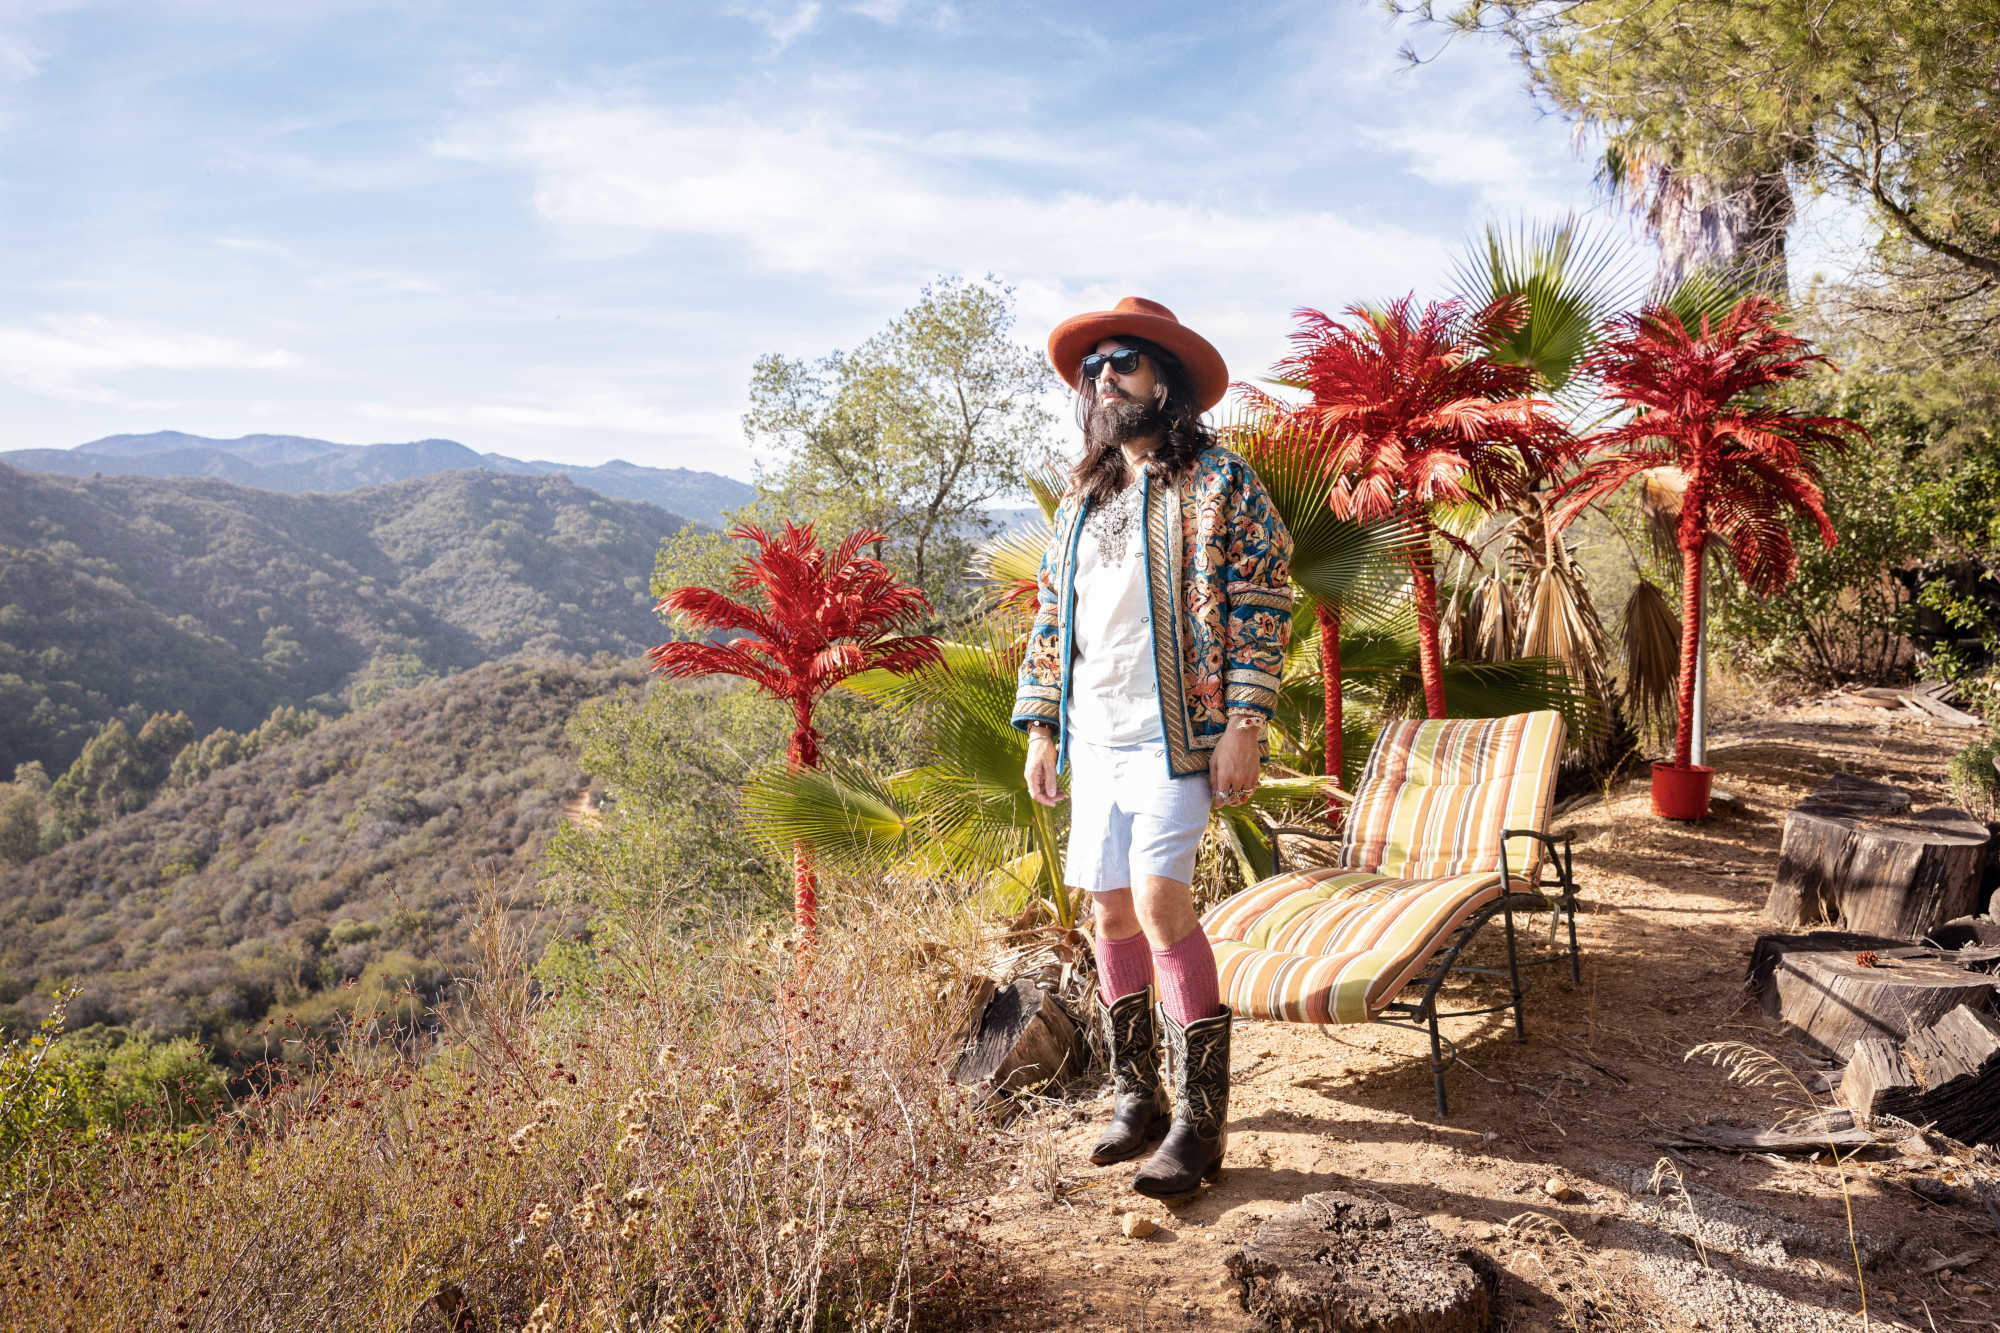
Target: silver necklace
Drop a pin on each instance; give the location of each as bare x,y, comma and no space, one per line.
1113,523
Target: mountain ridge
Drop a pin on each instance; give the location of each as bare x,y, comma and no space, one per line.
122,596
299,464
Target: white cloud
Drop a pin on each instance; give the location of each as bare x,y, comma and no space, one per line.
69,356
854,208
782,25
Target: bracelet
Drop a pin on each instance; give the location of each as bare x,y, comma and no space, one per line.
1247,721
1041,731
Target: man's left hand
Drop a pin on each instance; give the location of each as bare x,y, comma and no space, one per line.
1233,769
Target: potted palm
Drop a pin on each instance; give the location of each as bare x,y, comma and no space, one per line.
810,620
1419,415
1701,403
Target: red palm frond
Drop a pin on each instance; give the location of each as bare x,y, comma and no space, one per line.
1701,402
808,620
816,618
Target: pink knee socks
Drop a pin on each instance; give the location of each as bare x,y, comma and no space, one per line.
1123,966
1187,981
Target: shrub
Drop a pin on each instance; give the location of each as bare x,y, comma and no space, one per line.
1974,782
657,1143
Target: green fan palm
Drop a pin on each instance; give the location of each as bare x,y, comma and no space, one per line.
1345,567
1571,281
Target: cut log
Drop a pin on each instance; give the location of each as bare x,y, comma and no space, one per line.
1021,1036
1345,1264
1855,856
1822,985
1946,1075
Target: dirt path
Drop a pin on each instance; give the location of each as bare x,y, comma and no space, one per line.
1673,911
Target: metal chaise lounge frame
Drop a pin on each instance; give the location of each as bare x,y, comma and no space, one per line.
1287,951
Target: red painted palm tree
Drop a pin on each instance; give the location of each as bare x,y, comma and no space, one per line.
1420,414
814,620
1702,405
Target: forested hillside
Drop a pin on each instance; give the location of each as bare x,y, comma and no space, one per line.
125,596
348,855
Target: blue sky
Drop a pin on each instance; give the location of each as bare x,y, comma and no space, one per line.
566,231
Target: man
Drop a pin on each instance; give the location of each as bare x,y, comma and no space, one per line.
1151,671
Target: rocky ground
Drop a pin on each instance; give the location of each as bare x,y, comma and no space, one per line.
1548,1164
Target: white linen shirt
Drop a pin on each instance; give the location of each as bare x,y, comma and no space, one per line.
1114,693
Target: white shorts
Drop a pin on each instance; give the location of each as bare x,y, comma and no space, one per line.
1128,818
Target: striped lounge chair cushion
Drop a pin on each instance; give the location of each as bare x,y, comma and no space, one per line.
1435,795
1421,855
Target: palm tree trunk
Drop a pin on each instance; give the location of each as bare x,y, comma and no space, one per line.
805,897
1430,662
1691,612
805,882
1329,666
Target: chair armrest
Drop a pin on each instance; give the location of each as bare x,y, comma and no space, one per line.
1558,855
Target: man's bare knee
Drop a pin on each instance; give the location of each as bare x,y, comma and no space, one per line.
1165,908
1114,914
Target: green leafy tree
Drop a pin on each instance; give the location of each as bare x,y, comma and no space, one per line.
1886,103
117,772
914,433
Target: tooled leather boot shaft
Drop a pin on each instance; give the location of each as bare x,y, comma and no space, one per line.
1198,1068
1139,1102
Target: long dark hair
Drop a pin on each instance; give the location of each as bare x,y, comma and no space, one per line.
1101,474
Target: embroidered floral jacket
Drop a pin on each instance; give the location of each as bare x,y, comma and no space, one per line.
1218,569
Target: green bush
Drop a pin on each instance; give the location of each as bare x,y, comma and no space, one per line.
1897,504
1974,782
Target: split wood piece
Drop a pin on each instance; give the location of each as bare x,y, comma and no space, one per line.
1339,1263
1855,856
1819,985
1831,1130
1021,1036
1946,1075
1942,712
1969,941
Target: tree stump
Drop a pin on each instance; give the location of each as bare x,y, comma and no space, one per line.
1824,985
1947,1075
1338,1263
1855,856
1020,1036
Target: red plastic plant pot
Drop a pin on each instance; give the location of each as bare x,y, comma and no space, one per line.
1681,793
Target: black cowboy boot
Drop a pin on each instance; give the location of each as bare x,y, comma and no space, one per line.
1139,1109
1198,1056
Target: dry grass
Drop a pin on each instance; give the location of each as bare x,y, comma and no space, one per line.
654,1142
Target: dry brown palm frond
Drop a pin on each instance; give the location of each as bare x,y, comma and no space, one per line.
1660,491
1652,651
1563,622
1456,628
1495,624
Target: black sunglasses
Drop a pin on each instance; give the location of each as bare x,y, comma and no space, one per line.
1125,361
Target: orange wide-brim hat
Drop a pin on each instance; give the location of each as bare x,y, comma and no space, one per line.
1136,317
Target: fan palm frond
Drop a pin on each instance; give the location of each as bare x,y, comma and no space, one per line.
1562,622
1047,483
1495,629
1652,650
1010,565
847,815
1572,279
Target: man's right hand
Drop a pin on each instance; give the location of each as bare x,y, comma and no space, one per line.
1041,770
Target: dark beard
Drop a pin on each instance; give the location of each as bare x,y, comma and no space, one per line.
1117,420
